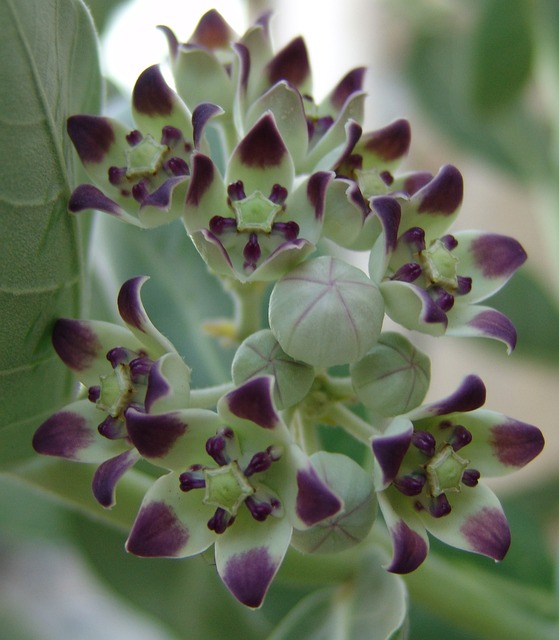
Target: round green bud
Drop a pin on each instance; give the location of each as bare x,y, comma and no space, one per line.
261,354
354,486
326,312
393,377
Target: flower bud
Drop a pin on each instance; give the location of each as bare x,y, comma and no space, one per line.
393,377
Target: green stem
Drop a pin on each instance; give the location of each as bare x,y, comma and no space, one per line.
338,388
247,298
351,422
208,397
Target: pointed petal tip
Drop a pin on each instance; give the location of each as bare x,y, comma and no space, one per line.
63,435
410,549
487,533
254,401
108,474
152,96
443,194
92,137
249,574
315,501
516,443
157,532
76,343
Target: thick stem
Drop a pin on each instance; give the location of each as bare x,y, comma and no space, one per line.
351,422
247,298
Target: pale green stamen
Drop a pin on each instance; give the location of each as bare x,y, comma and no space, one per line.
145,158
255,213
439,265
227,487
445,471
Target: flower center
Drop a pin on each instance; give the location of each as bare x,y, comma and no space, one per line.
439,265
370,182
116,391
255,213
145,158
445,471
226,487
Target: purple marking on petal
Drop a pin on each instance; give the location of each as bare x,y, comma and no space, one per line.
410,549
443,194
157,386
212,32
244,64
154,435
431,313
516,443
351,83
290,64
488,533
76,344
470,395
389,451
92,136
152,95
108,474
200,117
129,303
157,532
202,178
391,142
263,145
86,196
416,181
494,324
172,40
249,574
355,196
315,501
162,196
316,191
497,256
253,401
64,434
389,213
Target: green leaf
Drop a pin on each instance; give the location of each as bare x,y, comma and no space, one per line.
103,11
49,70
372,607
501,53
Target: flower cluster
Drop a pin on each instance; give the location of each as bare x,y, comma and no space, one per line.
263,177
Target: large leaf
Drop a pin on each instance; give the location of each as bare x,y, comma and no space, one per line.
49,71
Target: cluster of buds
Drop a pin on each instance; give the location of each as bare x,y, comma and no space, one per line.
261,176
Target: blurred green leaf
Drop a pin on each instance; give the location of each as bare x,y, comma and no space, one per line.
103,10
49,70
501,53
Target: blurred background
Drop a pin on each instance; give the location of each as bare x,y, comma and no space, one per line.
479,82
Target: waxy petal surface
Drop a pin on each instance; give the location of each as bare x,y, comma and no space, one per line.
481,322
109,473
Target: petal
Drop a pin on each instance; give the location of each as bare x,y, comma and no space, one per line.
286,257
158,208
476,523
72,433
351,83
170,523
413,308
385,148
490,259
388,212
203,113
206,196
306,206
409,539
86,196
481,322
345,212
134,315
292,65
212,32
168,384
389,451
109,473
174,440
469,396
249,554
215,255
252,402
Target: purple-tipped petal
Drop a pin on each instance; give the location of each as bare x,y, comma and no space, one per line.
315,501
65,435
316,191
154,435
109,473
92,136
130,305
212,32
202,178
389,451
200,117
249,574
443,194
391,142
351,83
152,95
290,64
497,256
263,146
482,322
76,343
410,549
157,532
469,396
172,41
86,196
253,401
487,532
516,443
161,198
388,212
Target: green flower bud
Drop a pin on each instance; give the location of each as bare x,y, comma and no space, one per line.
326,312
393,377
346,529
260,354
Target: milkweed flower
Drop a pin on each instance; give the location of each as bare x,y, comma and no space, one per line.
428,466
119,367
237,480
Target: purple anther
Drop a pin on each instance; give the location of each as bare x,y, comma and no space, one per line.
278,194
414,238
140,192
94,393
261,461
258,510
408,272
177,166
236,191
220,520
219,225
460,437
216,447
425,442
140,368
411,485
117,175
289,230
112,428
170,136
439,506
449,242
134,137
470,477
120,355
464,285
193,479
251,252
443,299
386,177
